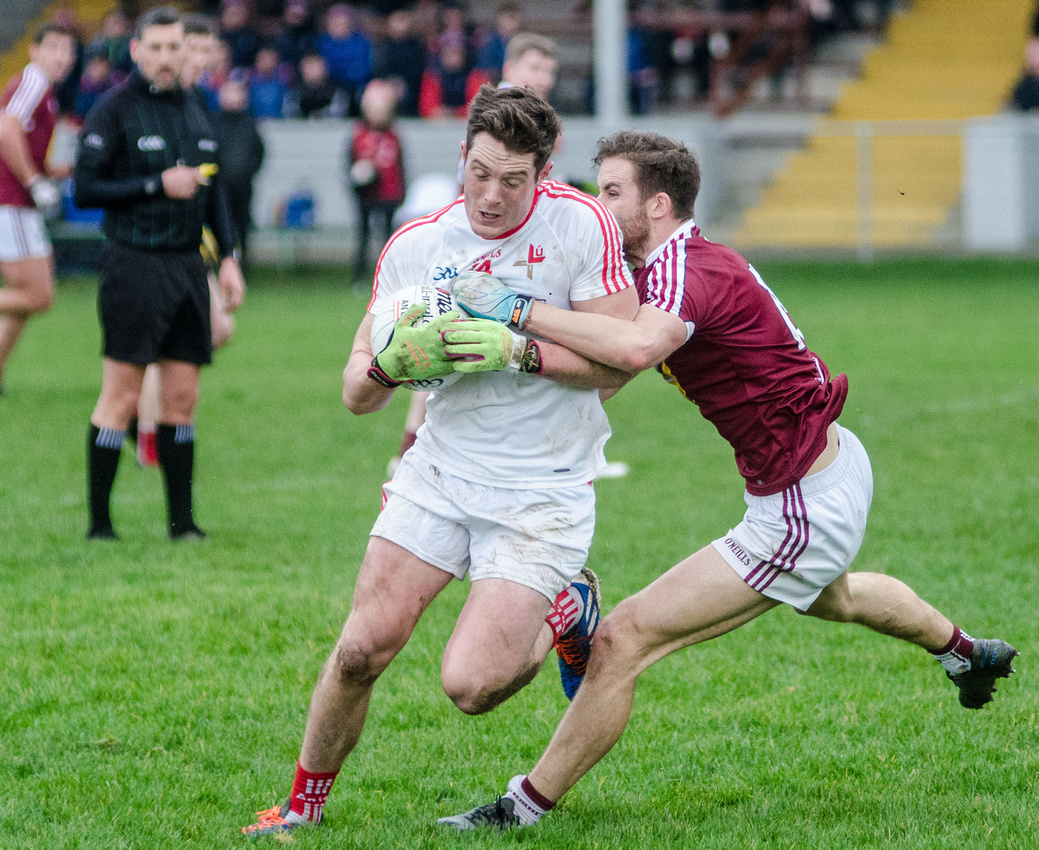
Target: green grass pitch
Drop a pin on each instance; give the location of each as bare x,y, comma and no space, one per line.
154,695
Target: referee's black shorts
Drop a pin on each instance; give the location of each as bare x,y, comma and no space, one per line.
154,305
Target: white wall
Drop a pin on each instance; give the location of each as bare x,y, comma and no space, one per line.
1001,183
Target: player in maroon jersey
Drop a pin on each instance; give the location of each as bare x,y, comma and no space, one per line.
712,326
28,114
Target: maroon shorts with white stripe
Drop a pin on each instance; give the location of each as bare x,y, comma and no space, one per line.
22,234
791,545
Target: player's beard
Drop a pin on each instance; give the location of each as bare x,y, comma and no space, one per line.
636,235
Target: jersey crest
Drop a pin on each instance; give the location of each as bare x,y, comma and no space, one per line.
534,256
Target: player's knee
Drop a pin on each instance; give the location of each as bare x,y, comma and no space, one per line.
357,664
619,642
474,694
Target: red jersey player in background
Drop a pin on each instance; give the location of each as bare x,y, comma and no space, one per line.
712,327
28,114
375,170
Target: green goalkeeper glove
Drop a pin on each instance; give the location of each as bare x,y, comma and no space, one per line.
413,353
483,345
488,298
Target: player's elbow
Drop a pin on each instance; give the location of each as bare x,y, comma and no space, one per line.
635,356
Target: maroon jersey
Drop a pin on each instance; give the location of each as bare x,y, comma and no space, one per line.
28,96
744,363
382,148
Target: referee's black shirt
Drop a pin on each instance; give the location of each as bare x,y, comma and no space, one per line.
130,136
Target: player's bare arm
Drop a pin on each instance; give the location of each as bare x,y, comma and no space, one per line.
15,150
629,346
360,393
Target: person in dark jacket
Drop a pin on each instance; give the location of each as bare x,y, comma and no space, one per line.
148,156
241,156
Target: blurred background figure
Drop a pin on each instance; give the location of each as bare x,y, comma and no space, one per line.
28,115
489,43
530,60
237,30
268,82
296,36
114,39
1025,97
241,154
315,94
401,57
96,79
446,89
375,171
348,53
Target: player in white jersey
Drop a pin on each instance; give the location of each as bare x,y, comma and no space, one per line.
498,482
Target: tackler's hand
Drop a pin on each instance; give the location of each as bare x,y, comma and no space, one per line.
483,345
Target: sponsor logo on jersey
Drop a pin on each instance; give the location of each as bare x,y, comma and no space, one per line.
484,263
207,144
444,273
534,256
93,140
151,143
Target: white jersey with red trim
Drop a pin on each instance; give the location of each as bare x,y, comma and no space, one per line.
509,429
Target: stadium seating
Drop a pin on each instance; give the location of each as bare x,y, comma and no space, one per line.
943,61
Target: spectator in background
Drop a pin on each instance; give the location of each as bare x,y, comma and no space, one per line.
268,82
1026,93
489,43
296,36
348,53
95,80
643,72
237,30
315,94
216,74
240,157
530,60
68,89
375,169
445,90
114,39
401,57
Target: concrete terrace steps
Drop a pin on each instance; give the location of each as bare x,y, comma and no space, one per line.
942,60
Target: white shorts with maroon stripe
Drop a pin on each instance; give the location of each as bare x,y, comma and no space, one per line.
537,538
791,545
22,234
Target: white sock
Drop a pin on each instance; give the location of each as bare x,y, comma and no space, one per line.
528,811
957,659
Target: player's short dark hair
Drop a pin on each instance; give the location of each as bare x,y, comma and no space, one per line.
661,165
517,118
51,29
522,42
196,23
159,16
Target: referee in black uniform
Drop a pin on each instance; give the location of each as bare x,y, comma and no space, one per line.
144,156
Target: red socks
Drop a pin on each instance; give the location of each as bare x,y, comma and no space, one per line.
309,793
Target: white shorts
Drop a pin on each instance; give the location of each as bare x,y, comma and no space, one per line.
22,234
537,538
791,545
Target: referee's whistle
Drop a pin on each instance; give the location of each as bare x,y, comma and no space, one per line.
208,169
